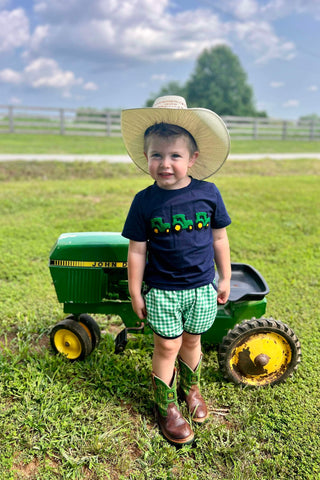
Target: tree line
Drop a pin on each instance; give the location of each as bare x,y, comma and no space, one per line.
218,82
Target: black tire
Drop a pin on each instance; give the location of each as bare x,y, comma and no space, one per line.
93,327
90,325
71,339
259,352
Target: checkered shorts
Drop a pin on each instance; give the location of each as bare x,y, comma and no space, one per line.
172,312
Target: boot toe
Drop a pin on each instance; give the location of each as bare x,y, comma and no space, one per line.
200,414
174,427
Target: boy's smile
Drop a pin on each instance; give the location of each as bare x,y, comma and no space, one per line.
169,161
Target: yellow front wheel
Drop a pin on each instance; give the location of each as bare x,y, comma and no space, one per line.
259,352
72,339
90,325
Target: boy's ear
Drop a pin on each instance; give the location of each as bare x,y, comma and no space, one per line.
193,159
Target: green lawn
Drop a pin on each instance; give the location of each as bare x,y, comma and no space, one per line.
57,144
94,419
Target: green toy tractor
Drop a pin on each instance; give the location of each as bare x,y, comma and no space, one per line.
180,222
89,273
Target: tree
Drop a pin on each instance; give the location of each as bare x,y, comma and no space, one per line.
219,83
172,88
311,117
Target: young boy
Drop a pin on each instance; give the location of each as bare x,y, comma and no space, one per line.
177,229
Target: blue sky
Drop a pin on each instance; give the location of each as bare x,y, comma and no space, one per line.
116,53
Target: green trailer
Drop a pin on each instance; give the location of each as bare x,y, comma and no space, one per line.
89,273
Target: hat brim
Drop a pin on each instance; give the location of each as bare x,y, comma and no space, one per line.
207,128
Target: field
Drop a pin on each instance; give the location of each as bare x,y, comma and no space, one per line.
94,419
55,144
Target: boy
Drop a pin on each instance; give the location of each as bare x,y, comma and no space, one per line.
177,228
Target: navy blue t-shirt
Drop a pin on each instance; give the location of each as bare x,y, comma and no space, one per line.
176,224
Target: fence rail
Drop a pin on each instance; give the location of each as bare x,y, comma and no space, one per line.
59,121
68,121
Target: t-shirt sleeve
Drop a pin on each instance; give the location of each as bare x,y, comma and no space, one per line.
135,227
221,217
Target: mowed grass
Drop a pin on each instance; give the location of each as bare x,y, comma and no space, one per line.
72,144
94,419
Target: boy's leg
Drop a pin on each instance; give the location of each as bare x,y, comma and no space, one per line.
190,350
172,424
164,356
190,358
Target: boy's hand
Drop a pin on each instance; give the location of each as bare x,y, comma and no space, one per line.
222,259
139,306
223,291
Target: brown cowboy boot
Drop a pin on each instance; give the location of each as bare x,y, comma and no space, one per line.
172,424
190,392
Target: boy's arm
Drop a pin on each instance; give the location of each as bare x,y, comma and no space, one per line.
137,255
222,259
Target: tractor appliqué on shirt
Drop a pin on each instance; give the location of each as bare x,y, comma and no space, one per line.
180,222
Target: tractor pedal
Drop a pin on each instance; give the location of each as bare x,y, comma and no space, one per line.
121,341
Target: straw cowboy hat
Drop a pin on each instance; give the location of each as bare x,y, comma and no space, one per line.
206,127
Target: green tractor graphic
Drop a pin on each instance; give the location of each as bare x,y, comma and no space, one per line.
179,223
159,226
202,220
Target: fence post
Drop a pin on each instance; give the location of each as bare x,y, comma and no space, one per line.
255,128
62,132
312,125
108,124
11,120
284,130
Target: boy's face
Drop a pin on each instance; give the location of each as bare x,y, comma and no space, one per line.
169,161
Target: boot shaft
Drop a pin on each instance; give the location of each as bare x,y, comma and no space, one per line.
165,394
189,377
189,390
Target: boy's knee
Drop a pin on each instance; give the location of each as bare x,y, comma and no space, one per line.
190,340
167,346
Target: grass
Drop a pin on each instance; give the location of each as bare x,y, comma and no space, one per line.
94,419
57,144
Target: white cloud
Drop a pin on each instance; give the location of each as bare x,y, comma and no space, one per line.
126,32
90,86
45,73
75,10
240,9
38,37
122,32
160,77
277,84
259,37
291,103
10,76
269,10
313,88
274,9
245,8
14,29
15,101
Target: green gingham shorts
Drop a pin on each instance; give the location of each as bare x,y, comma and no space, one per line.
172,312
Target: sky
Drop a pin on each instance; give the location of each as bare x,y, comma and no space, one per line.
118,53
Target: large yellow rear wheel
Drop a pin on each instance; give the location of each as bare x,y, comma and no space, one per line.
72,339
259,352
